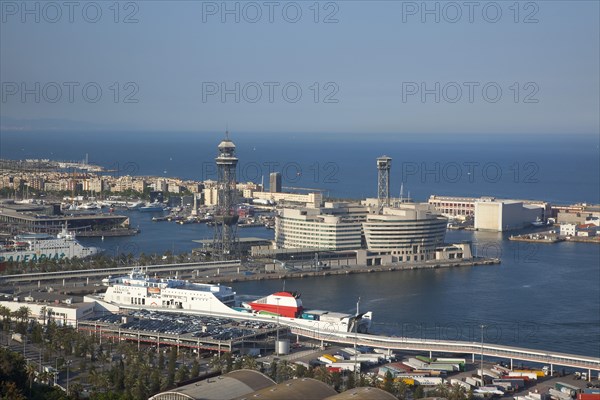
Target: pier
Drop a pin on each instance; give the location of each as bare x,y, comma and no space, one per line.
104,272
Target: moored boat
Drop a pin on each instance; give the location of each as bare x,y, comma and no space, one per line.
138,290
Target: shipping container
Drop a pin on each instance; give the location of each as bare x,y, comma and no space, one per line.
429,380
326,358
461,362
473,381
416,364
529,375
557,394
488,372
524,378
588,396
514,383
566,388
424,359
461,383
538,372
429,372
441,367
501,369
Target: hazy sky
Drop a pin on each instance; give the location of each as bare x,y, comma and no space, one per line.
363,66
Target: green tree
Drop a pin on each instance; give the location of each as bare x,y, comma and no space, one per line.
183,374
322,374
350,381
419,392
300,371
273,370
6,320
470,394
401,389
228,360
336,380
283,371
195,370
249,362
388,382
30,370
441,390
171,367
161,360
457,392
154,381
75,391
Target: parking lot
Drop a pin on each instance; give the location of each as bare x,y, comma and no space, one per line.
182,325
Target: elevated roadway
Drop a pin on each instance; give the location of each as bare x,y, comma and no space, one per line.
455,347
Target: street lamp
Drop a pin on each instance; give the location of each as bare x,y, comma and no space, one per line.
68,365
482,327
356,342
277,340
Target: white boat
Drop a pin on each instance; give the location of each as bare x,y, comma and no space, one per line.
138,290
89,206
538,222
152,207
40,247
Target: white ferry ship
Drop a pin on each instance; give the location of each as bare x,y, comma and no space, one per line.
138,290
40,247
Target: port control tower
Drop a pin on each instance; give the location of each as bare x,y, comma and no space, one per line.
226,243
384,164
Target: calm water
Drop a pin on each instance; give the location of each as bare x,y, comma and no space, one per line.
541,296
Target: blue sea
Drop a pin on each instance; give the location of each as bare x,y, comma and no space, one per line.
541,296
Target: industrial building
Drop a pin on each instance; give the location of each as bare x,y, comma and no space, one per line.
62,313
227,386
464,207
275,182
248,384
576,213
505,215
48,219
312,200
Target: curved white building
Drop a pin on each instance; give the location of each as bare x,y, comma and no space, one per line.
409,232
337,226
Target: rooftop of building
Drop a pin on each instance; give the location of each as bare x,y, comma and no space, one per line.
294,389
363,393
231,385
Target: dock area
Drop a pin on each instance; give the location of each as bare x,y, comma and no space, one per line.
537,238
224,276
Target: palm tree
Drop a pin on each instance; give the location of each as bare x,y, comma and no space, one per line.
441,390
30,370
322,374
249,362
457,392
5,314
45,377
22,313
401,388
43,313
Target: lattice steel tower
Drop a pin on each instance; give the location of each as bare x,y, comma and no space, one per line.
384,164
226,243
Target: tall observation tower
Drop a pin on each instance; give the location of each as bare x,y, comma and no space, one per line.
226,244
384,164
